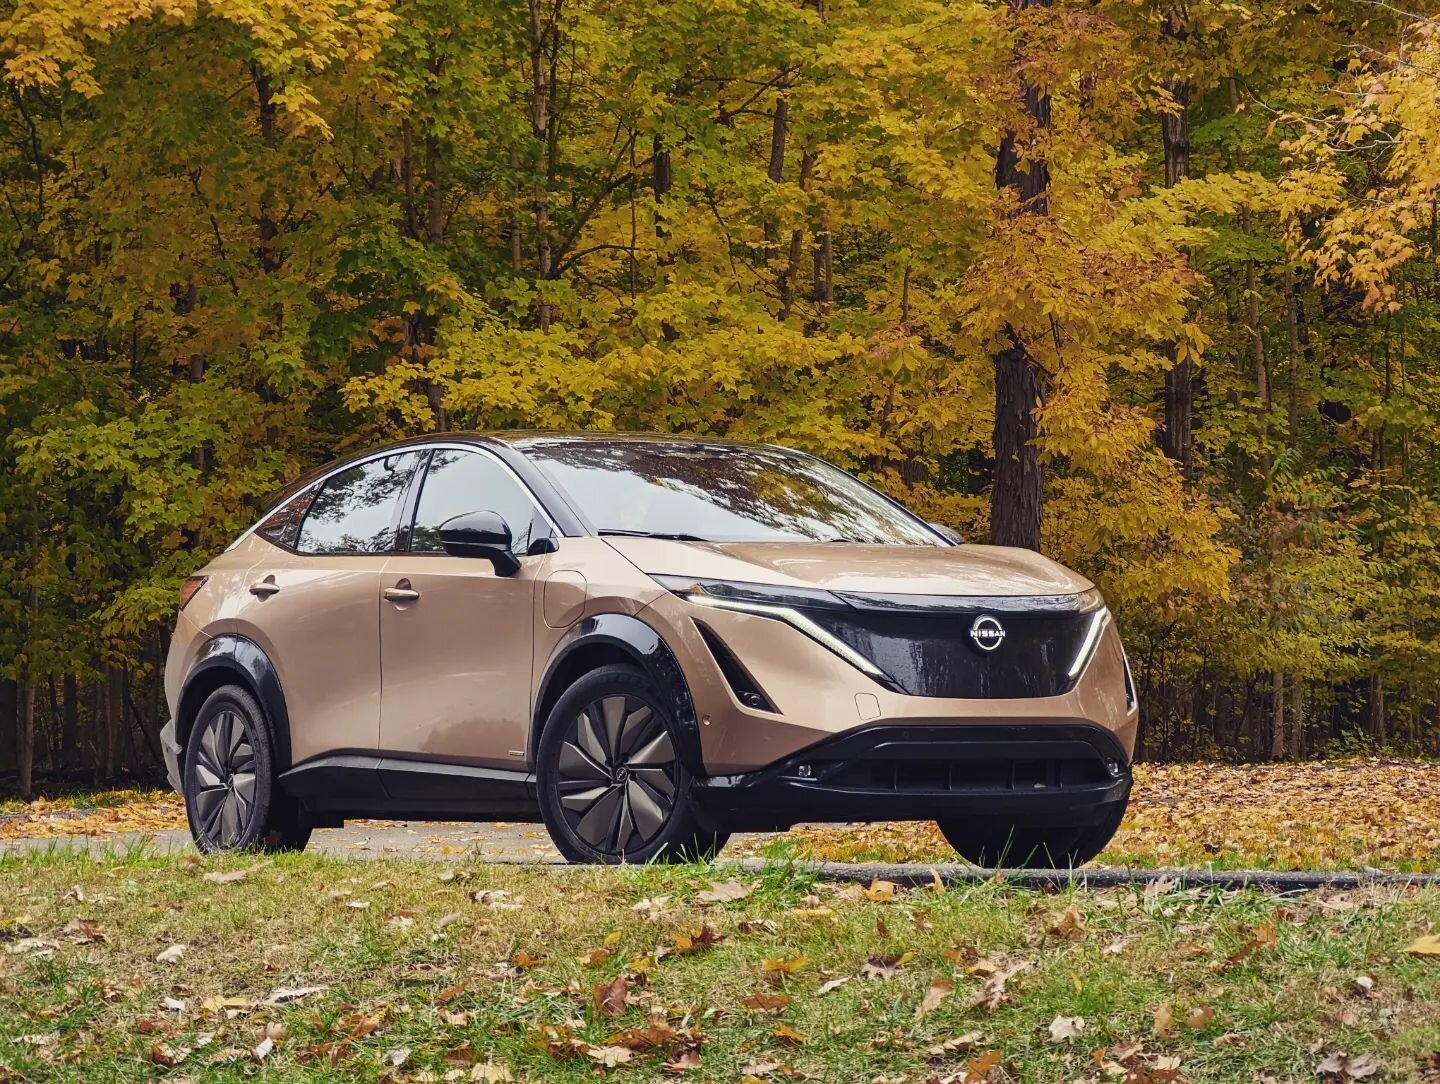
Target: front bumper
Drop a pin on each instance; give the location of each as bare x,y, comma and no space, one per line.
1047,774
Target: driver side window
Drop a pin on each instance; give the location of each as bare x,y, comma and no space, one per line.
458,482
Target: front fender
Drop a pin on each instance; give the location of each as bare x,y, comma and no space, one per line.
233,659
612,637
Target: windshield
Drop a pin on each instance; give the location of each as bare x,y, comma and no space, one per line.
721,493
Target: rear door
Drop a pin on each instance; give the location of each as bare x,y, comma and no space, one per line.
313,604
457,639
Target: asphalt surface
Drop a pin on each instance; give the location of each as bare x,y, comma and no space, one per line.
527,844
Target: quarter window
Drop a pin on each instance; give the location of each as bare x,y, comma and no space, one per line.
459,482
354,512
282,526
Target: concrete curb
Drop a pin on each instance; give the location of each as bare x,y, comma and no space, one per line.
1227,880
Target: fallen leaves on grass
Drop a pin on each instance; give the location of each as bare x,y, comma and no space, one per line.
766,1002
726,892
610,997
101,813
884,968
786,1034
284,994
697,939
1429,945
1065,1028
1263,938
786,966
939,990
1339,1066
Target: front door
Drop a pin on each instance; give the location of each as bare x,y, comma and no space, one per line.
456,638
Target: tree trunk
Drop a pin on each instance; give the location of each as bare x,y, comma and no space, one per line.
776,171
1262,371
70,722
791,274
114,703
1292,323
266,226
1377,711
541,32
9,723
661,178
1017,495
1278,742
1177,441
25,743
1297,718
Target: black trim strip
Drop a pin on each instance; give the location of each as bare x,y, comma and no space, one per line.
360,784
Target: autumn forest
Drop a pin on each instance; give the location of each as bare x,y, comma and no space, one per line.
1149,285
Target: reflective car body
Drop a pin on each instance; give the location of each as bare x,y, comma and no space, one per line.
882,673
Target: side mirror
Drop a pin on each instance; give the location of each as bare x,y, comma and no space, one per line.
480,534
950,534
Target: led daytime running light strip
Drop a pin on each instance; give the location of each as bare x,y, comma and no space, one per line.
799,621
1087,646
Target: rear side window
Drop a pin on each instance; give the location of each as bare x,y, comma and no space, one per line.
355,510
459,482
282,526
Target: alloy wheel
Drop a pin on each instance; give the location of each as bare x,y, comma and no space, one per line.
617,774
225,779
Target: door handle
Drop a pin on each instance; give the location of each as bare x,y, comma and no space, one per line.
401,592
265,588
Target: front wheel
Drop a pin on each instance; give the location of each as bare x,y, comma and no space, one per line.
231,798
992,843
612,786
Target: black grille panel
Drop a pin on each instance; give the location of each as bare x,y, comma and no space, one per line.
929,776
932,654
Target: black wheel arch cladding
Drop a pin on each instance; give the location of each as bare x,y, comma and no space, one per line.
232,659
605,639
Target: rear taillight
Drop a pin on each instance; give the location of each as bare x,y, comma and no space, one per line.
188,589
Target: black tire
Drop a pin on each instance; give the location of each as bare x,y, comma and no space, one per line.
612,785
996,844
231,798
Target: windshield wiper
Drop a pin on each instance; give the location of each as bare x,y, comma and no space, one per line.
670,535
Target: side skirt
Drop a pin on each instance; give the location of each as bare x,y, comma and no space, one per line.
340,785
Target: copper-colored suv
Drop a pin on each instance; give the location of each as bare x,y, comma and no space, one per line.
647,643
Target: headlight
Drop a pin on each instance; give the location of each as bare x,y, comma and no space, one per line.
763,593
766,600
1095,625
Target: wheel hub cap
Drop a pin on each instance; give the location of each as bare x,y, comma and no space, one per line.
617,774
225,779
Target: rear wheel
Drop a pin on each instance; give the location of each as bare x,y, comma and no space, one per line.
993,844
612,786
231,797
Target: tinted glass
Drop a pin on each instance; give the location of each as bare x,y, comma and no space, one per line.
459,482
721,493
354,511
282,526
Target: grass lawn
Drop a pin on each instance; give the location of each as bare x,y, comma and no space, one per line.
309,968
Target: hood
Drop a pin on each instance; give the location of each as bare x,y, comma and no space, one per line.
843,566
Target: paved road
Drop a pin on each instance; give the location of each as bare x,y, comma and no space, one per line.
492,842
527,844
